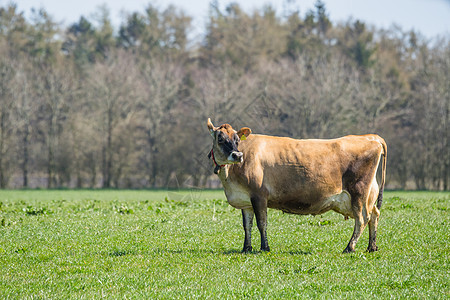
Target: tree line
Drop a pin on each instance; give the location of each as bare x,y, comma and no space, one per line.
91,106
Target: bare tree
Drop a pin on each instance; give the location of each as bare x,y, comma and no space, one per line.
430,107
113,98
56,88
25,111
160,85
310,93
7,74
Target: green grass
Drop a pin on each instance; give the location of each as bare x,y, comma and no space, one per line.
142,245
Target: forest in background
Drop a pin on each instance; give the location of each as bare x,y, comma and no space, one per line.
92,106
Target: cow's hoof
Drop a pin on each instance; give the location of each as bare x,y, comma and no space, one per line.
266,249
372,249
247,249
348,250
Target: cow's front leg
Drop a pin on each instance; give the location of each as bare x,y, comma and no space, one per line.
260,208
247,222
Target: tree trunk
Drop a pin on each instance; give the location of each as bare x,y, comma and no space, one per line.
26,158
50,152
107,152
2,152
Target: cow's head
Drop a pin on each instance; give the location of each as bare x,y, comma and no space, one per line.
225,145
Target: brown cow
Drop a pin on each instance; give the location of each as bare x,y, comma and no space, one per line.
300,177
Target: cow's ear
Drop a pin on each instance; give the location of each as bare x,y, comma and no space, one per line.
211,127
244,132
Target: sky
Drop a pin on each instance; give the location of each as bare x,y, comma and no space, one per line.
429,17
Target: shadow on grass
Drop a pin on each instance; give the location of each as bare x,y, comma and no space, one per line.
234,251
183,251
117,252
205,251
297,252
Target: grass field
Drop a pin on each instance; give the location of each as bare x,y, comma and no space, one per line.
160,244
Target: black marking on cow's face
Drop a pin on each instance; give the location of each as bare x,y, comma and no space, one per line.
227,145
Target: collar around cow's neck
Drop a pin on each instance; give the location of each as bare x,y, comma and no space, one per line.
217,166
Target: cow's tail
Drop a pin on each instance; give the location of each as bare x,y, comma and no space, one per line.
383,173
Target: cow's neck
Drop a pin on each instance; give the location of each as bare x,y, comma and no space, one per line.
223,175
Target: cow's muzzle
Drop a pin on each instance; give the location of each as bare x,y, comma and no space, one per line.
236,157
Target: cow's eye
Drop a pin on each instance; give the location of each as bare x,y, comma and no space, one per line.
220,139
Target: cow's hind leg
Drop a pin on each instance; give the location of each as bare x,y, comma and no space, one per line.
360,224
247,222
373,223
374,216
260,208
359,196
